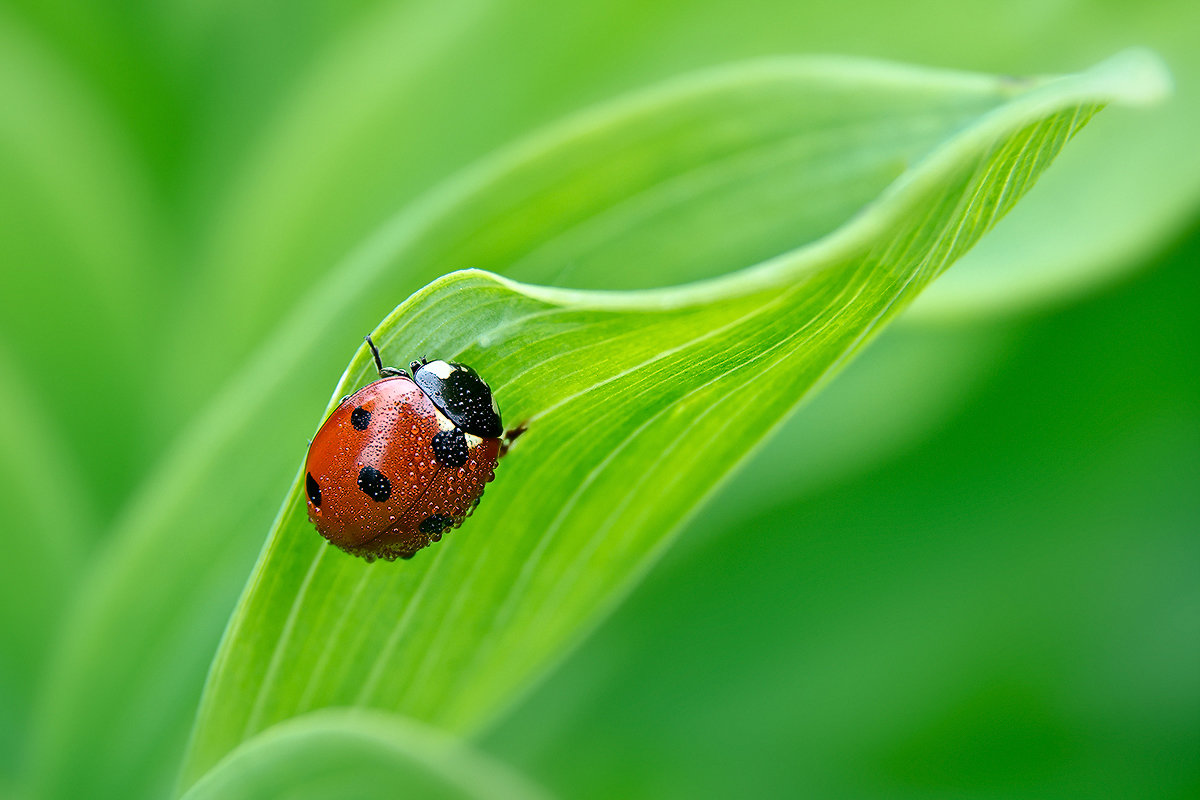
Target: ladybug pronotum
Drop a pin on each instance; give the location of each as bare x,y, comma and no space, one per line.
403,460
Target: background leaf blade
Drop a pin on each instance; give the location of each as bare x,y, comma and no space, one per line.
352,753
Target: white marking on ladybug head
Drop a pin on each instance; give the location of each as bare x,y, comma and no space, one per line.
443,422
473,441
439,368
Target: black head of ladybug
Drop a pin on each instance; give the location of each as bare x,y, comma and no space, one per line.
460,394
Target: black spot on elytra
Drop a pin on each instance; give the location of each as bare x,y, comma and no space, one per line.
450,447
314,490
435,523
374,484
360,418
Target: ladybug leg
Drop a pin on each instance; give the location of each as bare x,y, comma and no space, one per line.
511,436
384,372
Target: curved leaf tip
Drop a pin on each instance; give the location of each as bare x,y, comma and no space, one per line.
1135,77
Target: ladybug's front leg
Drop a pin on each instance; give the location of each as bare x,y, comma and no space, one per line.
511,436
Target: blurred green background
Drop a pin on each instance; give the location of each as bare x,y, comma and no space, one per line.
977,574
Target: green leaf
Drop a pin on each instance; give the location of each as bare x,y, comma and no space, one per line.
810,135
43,553
950,620
346,130
639,403
79,238
892,396
1095,217
358,754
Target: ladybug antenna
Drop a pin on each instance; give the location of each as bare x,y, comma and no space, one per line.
384,372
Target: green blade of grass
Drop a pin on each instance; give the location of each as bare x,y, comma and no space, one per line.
79,241
639,403
44,551
360,754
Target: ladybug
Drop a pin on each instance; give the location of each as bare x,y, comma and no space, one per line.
403,460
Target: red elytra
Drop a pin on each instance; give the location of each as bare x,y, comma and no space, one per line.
389,472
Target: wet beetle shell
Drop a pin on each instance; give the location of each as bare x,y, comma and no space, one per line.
389,472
